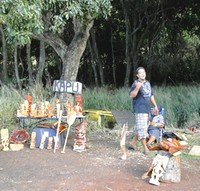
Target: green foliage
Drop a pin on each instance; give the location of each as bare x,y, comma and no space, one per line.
23,18
80,9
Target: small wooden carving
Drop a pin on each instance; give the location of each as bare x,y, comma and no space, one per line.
80,137
158,168
50,143
33,110
29,99
164,168
56,143
42,143
79,105
33,138
48,109
5,139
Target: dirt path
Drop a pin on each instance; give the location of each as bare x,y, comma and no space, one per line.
99,168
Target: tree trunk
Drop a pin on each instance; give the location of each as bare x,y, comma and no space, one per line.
41,65
16,68
30,71
113,59
5,56
134,53
128,44
99,63
93,63
72,54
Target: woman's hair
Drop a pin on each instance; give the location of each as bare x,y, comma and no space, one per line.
139,69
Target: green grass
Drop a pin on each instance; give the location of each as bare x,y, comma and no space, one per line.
181,103
10,99
104,99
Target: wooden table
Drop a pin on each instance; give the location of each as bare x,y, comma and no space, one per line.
34,121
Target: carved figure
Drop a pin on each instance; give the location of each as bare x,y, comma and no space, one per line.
5,139
80,137
33,137
158,168
50,143
42,143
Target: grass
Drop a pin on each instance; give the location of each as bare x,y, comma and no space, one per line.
105,99
9,101
181,103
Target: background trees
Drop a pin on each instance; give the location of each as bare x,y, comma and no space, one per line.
64,25
46,40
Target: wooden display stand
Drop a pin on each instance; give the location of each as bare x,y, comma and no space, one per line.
44,111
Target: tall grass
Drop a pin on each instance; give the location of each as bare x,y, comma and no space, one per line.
105,99
181,103
10,99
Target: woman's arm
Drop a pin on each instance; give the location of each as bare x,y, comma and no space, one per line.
153,101
135,91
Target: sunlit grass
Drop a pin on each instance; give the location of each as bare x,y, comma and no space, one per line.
9,101
181,103
104,99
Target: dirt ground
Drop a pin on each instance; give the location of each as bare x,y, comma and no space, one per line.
99,168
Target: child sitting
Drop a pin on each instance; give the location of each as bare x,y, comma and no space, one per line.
156,124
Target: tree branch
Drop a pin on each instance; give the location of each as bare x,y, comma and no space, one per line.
57,43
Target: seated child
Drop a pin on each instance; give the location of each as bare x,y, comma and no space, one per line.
156,124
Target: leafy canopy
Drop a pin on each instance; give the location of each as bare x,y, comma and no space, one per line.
22,18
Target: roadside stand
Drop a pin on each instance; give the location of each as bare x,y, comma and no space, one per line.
47,125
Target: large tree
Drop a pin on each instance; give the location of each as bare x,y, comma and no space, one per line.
64,25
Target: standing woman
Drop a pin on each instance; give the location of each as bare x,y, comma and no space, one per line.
142,98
